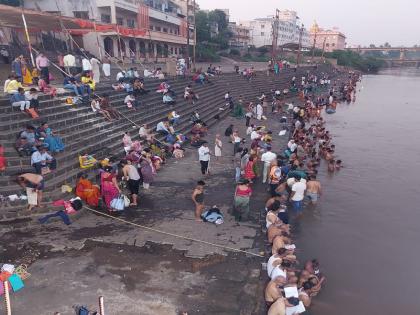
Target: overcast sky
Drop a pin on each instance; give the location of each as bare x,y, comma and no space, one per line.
363,21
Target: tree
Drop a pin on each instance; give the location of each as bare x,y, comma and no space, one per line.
372,46
387,45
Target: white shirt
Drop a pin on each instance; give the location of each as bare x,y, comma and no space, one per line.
161,127
268,157
120,75
255,135
142,132
37,157
249,130
69,61
270,262
129,98
204,153
278,272
86,64
259,109
299,189
29,96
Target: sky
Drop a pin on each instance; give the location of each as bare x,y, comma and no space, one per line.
364,22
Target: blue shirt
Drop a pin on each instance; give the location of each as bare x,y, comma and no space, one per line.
17,97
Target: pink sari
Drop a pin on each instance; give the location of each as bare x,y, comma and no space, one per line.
108,189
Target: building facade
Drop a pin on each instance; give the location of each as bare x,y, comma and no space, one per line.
143,29
289,31
328,40
241,36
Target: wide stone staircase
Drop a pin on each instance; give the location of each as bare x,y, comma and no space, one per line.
85,132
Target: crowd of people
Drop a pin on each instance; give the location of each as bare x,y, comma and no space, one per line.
290,174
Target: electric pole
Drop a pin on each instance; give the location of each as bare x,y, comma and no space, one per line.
188,35
195,36
275,31
313,47
300,45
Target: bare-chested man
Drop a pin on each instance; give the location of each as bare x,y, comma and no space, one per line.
273,290
279,307
313,189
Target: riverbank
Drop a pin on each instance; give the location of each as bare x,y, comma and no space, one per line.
142,272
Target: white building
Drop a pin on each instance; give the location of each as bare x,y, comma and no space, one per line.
261,30
149,29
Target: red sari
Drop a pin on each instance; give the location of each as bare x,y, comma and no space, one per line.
249,170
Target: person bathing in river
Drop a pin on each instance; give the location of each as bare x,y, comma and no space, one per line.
313,189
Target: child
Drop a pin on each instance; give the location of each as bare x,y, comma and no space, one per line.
131,101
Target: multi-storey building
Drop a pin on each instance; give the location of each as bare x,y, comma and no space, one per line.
328,40
289,31
150,29
240,36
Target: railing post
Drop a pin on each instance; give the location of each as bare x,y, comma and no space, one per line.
7,298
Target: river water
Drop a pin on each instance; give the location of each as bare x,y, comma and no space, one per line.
366,229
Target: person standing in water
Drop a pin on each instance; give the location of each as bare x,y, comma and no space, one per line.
313,189
198,199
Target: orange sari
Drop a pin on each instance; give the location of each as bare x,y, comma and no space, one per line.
88,192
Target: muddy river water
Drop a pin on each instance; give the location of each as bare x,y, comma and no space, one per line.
366,229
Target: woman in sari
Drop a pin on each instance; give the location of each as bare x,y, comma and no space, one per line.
45,88
88,192
55,143
26,73
238,111
147,172
250,169
109,186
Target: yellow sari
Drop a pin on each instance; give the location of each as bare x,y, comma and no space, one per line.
26,75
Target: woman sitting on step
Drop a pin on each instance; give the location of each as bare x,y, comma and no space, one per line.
87,191
46,134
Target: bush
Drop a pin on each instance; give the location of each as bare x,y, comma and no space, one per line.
205,54
235,52
262,50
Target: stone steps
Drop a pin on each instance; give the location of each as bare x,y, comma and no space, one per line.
81,128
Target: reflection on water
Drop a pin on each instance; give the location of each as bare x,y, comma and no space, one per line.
366,230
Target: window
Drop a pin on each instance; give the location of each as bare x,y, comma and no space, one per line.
105,18
165,30
131,23
327,44
262,25
151,27
120,21
172,50
262,33
333,44
157,28
171,31
81,15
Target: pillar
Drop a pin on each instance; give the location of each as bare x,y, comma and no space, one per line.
113,13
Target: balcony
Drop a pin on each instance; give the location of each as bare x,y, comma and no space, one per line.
164,16
169,38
